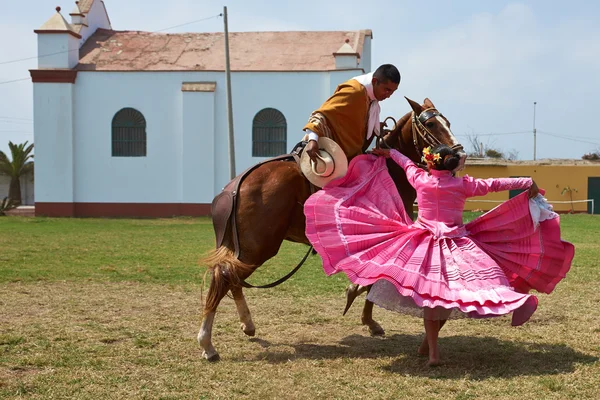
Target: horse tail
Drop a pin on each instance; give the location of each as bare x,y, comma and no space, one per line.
226,270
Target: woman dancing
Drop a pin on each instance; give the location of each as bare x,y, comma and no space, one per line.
437,267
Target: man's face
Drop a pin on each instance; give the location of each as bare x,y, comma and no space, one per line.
383,90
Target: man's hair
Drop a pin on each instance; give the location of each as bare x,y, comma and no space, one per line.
387,72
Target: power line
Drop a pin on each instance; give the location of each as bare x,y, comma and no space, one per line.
18,119
572,138
33,58
67,51
493,134
15,80
568,138
17,122
188,23
31,133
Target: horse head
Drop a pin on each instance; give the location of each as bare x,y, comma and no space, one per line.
424,126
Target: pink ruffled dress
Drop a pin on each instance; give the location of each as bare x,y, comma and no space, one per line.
484,268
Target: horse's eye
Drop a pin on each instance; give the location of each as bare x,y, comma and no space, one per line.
429,124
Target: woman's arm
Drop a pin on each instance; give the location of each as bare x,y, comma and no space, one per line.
480,187
411,170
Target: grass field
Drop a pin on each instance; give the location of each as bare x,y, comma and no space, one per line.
110,309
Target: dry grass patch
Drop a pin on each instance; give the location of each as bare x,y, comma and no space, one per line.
110,309
132,340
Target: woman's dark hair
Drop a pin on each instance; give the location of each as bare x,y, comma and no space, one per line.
449,158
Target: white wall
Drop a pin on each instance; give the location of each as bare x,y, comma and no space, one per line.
198,158
95,18
27,197
187,138
63,48
53,138
365,60
99,177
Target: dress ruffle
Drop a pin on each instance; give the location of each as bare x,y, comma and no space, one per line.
481,269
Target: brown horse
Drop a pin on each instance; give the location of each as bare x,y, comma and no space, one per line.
271,209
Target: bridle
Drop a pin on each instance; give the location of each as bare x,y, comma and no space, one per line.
420,131
421,136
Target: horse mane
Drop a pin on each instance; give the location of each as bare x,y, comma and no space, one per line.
402,120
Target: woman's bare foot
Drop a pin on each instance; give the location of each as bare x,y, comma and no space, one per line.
423,348
434,356
434,362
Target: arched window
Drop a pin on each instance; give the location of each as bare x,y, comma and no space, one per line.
269,133
128,134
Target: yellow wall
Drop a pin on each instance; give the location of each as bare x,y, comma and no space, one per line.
552,178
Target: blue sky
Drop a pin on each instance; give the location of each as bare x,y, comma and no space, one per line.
483,63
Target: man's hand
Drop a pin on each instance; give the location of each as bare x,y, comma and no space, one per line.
381,152
533,190
312,149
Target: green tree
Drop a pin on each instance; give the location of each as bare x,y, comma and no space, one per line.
20,164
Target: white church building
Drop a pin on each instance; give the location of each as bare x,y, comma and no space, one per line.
130,123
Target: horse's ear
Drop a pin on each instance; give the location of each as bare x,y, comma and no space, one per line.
428,103
414,105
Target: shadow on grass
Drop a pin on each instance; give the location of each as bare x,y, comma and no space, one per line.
462,356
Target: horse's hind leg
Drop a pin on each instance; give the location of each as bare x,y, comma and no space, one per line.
218,288
205,337
242,308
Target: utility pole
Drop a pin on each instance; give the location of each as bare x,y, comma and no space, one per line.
232,173
534,131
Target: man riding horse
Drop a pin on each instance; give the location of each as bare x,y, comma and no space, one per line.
350,117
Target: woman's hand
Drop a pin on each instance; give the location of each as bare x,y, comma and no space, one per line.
381,152
533,190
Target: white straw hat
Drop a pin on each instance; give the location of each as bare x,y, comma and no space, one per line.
331,163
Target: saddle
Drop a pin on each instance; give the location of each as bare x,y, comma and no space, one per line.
224,205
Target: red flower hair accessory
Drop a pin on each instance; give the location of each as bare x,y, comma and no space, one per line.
430,157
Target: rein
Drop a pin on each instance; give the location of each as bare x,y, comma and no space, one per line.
296,152
379,141
280,280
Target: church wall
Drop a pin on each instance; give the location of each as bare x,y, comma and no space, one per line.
187,136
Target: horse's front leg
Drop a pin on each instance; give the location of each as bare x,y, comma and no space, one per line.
353,291
367,319
244,313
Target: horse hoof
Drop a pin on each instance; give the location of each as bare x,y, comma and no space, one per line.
211,358
248,331
351,294
376,330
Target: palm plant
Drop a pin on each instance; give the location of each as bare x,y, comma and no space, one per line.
5,205
21,164
570,190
